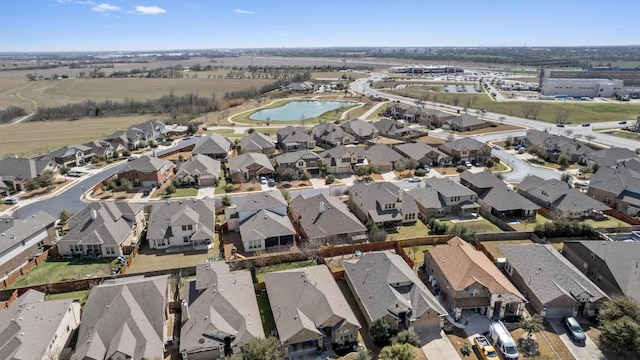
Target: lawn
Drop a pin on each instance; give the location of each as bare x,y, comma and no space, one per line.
579,112
56,271
151,260
610,222
477,226
498,167
624,134
416,253
551,165
282,266
222,183
185,192
83,295
230,133
408,231
529,224
548,345
31,138
266,315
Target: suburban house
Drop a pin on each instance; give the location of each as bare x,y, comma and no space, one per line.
383,157
72,155
612,265
441,197
261,220
344,159
309,309
37,329
120,140
362,130
467,149
257,143
468,280
294,138
105,228
199,170
303,161
24,238
146,171
325,219
385,287
382,203
399,111
149,130
125,318
392,129
103,149
219,313
15,172
608,157
554,145
306,86
554,287
4,187
618,187
562,201
464,122
188,223
423,154
496,198
329,135
214,146
245,167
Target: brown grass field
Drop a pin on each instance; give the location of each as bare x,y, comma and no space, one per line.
31,138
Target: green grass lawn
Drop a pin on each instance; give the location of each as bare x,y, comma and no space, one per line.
185,192
268,323
408,231
416,253
83,295
222,182
282,266
498,167
479,226
609,222
528,226
624,134
55,271
579,112
230,133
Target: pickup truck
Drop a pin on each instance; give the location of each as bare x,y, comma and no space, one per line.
484,348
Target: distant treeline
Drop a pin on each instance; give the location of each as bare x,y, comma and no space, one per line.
11,113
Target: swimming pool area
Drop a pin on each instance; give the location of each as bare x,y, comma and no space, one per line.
299,110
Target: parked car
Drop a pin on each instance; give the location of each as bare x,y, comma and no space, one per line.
560,125
468,164
574,330
132,157
496,147
271,182
414,179
622,122
10,201
146,191
426,168
263,180
585,124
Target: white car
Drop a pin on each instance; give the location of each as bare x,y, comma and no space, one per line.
415,179
132,157
263,180
10,201
468,164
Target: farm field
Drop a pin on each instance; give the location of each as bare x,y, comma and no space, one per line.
31,138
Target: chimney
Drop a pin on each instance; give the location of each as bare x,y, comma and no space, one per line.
94,214
321,207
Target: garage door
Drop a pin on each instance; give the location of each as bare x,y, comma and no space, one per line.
559,312
207,182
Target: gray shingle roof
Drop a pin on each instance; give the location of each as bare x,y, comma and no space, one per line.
380,154
293,134
465,120
548,274
559,195
466,143
69,150
111,226
221,303
306,300
146,164
124,315
417,151
342,151
502,198
360,127
22,168
427,197
385,284
481,180
292,157
336,219
256,142
263,200
624,178
371,198
199,164
214,144
15,230
183,212
391,127
28,326
241,162
447,187
611,157
265,224
330,132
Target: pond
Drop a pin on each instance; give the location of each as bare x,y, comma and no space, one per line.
299,110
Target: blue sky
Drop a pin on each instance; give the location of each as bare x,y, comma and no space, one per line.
93,25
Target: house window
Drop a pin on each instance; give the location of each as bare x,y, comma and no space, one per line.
255,244
160,242
410,216
109,250
187,227
473,292
185,239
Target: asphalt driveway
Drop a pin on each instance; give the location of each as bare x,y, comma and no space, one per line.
587,352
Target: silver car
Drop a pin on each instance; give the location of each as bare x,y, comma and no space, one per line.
574,330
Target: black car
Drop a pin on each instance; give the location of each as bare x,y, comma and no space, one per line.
560,125
622,122
585,124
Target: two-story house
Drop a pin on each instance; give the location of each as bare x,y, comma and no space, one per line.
344,159
214,146
383,203
303,161
15,172
186,223
392,129
294,138
258,143
329,135
424,154
245,167
619,187
467,149
441,197
146,171
72,155
362,130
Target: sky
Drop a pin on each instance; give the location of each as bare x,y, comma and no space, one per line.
131,25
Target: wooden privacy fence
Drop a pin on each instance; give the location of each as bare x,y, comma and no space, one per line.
13,277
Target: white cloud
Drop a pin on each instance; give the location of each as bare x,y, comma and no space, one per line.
104,7
149,10
87,2
240,11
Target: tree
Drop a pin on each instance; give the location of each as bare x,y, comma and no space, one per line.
46,179
589,138
65,215
126,185
263,349
408,336
532,325
469,101
508,142
561,114
455,100
226,201
64,170
380,331
363,355
620,324
502,119
411,164
32,184
489,163
397,352
565,177
288,174
595,167
563,160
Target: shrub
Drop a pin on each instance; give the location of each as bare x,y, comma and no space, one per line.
490,163
228,188
420,172
330,179
461,168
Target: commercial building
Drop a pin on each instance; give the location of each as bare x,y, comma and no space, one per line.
592,82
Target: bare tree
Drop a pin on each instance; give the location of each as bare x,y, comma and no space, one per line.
311,248
561,114
568,132
455,100
526,110
502,119
589,138
469,101
535,110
